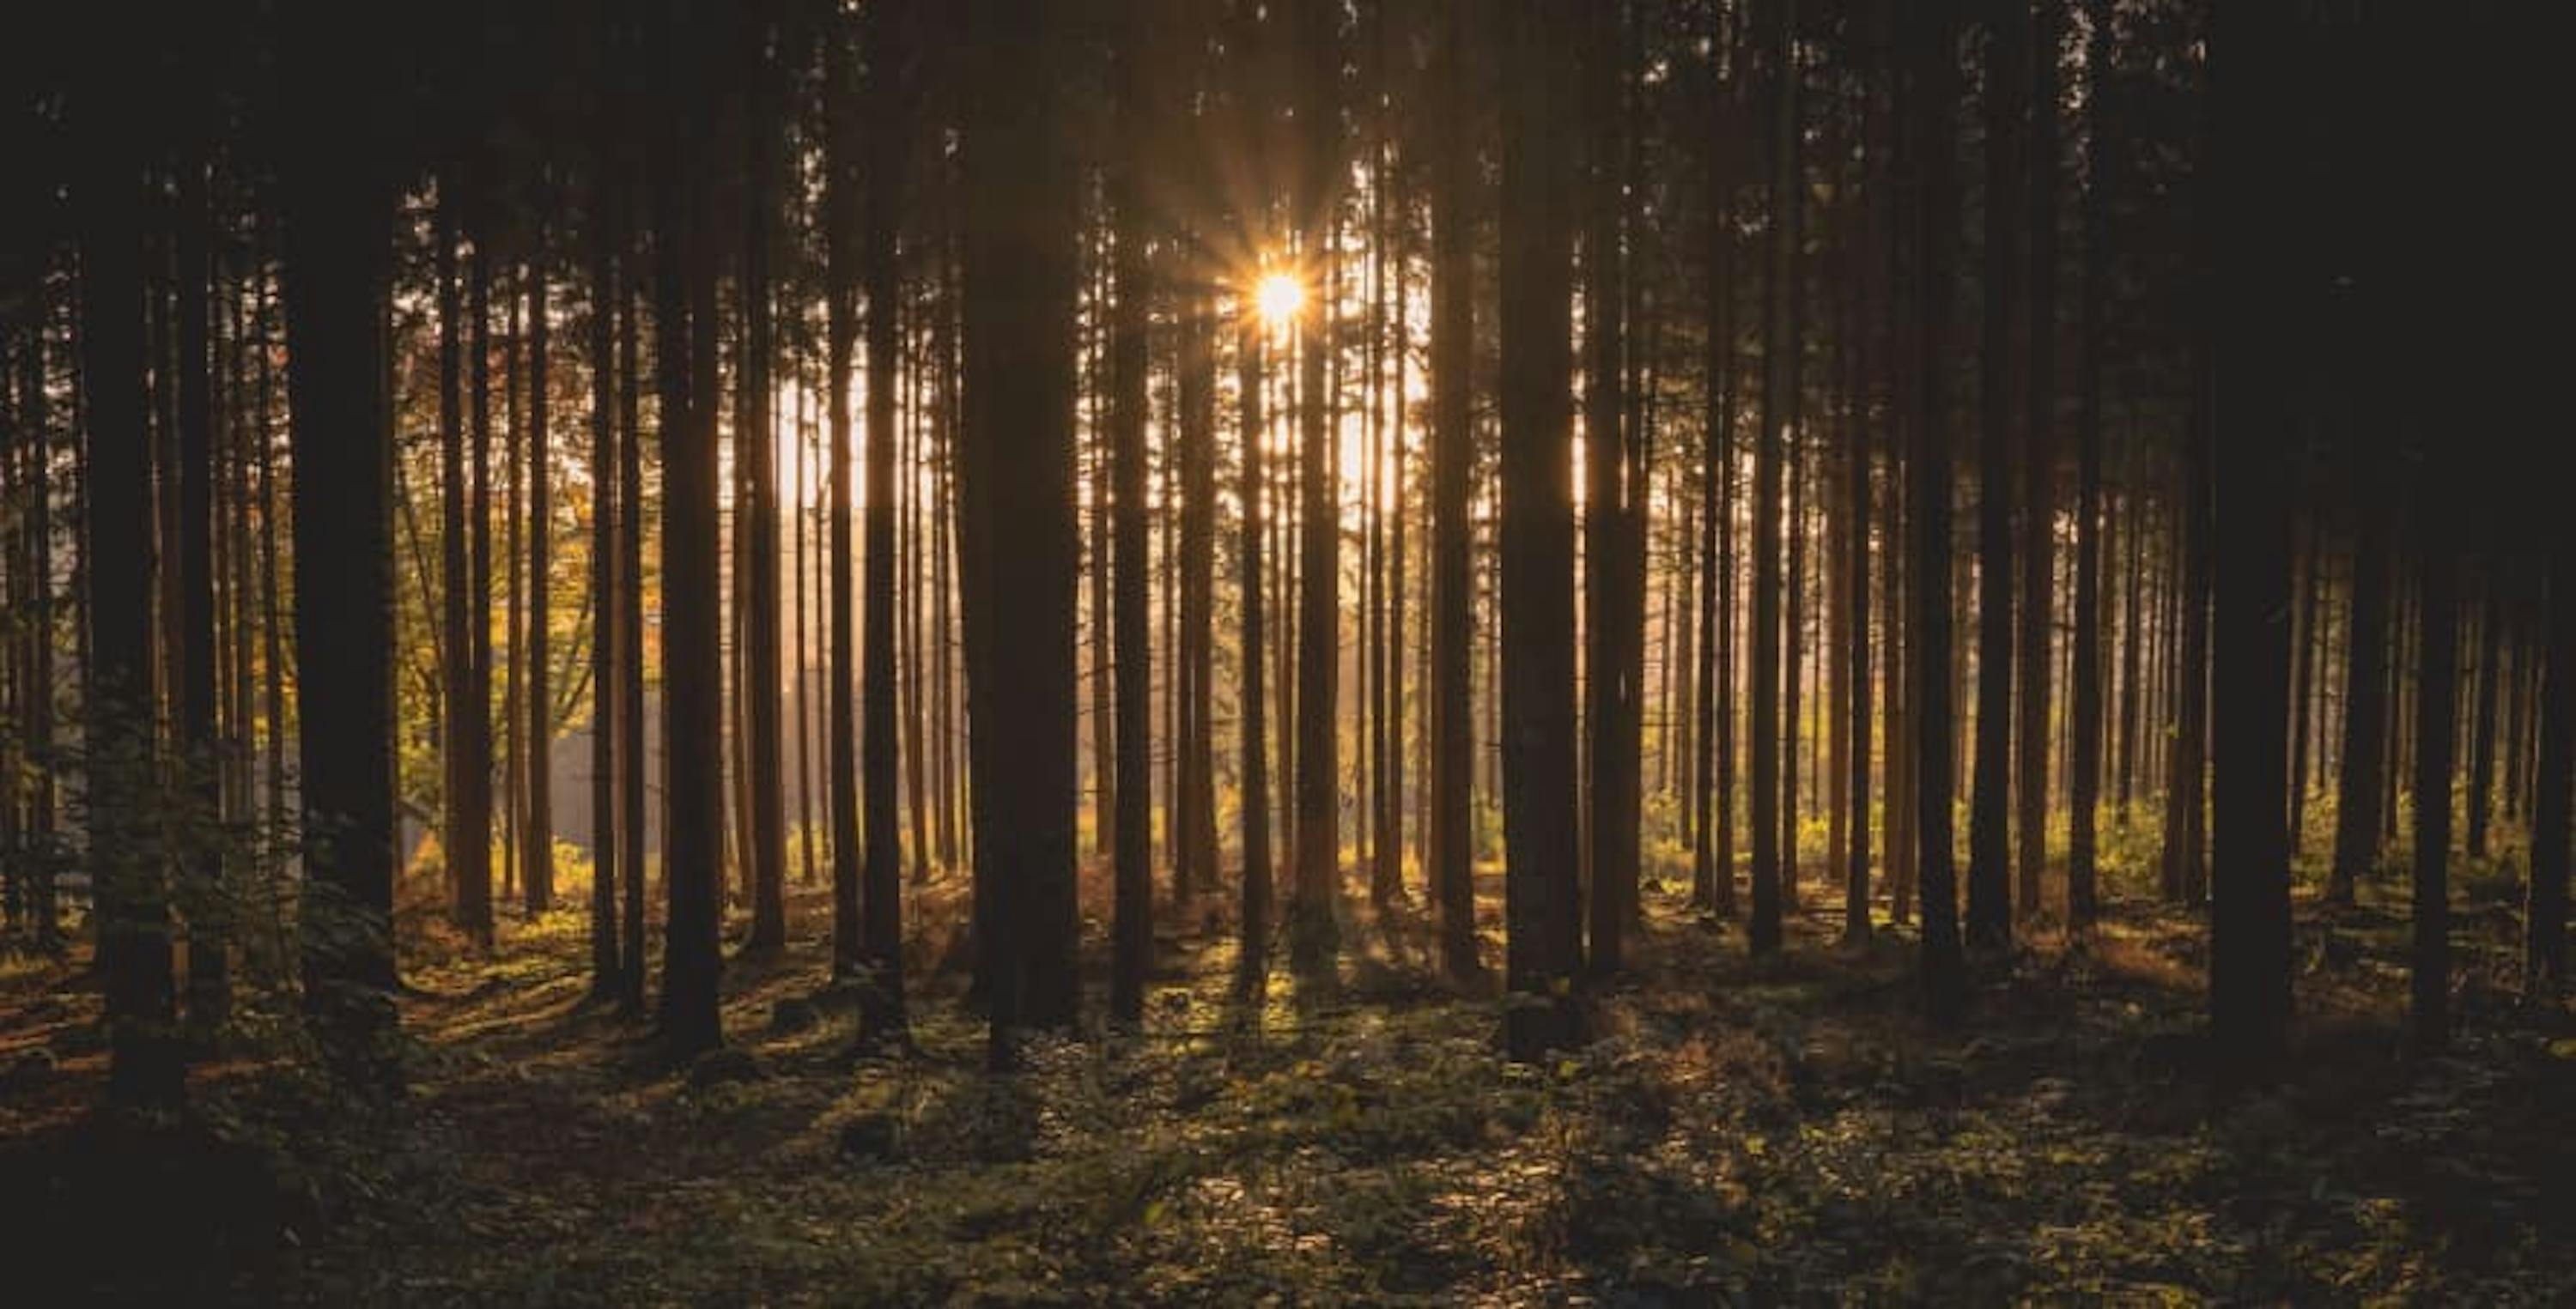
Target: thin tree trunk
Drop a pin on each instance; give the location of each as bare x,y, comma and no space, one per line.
1614,554
536,835
2006,93
1779,377
1943,971
2038,613
1451,836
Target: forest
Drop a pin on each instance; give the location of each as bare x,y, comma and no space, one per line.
1521,652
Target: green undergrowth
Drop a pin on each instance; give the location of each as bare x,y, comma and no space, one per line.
1737,1131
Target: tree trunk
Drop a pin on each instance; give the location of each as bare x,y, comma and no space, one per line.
1543,909
2482,732
1780,346
1132,932
692,659
882,1017
2084,786
1614,571
605,510
2006,95
2038,611
537,833
1019,379
1314,934
2545,910
756,535
338,260
1936,92
199,860
1453,458
2436,730
843,254
2258,238
129,892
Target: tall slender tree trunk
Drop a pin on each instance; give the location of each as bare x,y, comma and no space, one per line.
1614,570
692,659
1780,346
2084,786
2482,731
2544,954
755,450
1714,742
2006,95
1021,272
843,256
338,261
1452,836
1314,933
2365,685
2436,732
2258,236
633,757
1542,899
1132,932
536,834
1252,963
882,1018
129,889
1935,91
607,850
199,858
2186,869
2038,613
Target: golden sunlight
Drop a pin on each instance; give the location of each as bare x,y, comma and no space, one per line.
1279,297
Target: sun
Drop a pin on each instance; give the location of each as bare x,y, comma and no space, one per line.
1279,296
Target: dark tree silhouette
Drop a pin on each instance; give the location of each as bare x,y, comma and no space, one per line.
1543,908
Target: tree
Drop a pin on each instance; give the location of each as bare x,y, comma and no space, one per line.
192,684
2254,65
1713,783
692,663
144,1070
2084,784
881,932
1542,905
606,603
2006,91
2545,907
468,835
1935,95
1133,932
1252,962
756,446
1451,837
338,257
2038,612
536,830
1019,379
843,253
2436,734
1614,537
2365,683
1314,932
630,646
1780,347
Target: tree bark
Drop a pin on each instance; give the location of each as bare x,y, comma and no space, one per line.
1542,900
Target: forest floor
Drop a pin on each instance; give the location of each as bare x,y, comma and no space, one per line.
1740,1132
